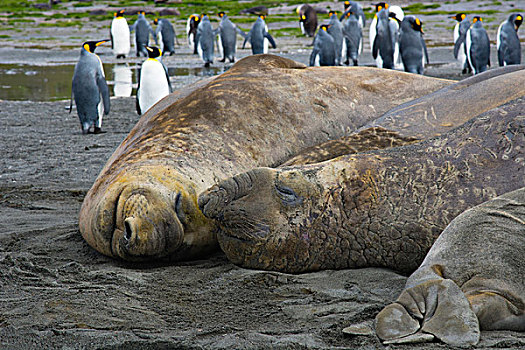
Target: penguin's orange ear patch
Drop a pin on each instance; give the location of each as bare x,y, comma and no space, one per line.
86,47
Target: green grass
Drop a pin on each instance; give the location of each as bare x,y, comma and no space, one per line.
419,7
4,36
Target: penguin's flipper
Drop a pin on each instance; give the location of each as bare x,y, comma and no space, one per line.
344,15
111,37
137,104
457,45
425,51
167,77
240,32
313,55
501,54
375,49
132,27
246,38
104,91
270,39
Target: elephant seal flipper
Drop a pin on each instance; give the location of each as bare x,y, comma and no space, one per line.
481,250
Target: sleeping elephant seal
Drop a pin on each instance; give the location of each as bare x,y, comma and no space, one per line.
425,117
472,278
382,208
143,205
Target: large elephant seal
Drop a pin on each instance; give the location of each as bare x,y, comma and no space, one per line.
263,110
472,278
428,116
382,208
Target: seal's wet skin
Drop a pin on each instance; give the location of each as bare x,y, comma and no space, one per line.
143,205
382,208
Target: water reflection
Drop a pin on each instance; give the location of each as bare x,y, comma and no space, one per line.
122,80
50,83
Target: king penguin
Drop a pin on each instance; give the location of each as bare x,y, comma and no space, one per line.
460,34
142,31
412,47
307,19
119,32
335,29
259,37
89,88
353,33
356,9
508,43
383,44
478,46
191,31
165,36
205,40
154,81
324,51
227,33
373,25
396,15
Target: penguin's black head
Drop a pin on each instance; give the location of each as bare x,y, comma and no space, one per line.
324,27
195,18
477,18
380,5
347,4
156,21
263,17
415,23
393,16
459,16
91,46
349,13
221,14
119,13
518,20
331,13
153,51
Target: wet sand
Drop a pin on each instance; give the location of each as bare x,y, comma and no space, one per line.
57,292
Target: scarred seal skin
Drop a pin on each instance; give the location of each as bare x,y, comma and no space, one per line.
472,278
143,205
428,116
382,208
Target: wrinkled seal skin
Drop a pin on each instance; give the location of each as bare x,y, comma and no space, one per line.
382,208
143,205
428,116
472,278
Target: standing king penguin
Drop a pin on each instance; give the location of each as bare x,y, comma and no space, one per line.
384,41
89,88
205,40
324,51
259,37
335,29
508,43
412,47
478,46
142,31
227,32
119,33
396,15
165,36
460,35
307,19
191,31
154,81
353,33
373,25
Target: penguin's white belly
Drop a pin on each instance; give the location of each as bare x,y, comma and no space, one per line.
266,44
159,40
221,50
469,44
200,51
372,33
153,84
302,28
120,33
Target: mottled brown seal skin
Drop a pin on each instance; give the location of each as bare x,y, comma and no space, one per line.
382,208
425,117
472,278
143,205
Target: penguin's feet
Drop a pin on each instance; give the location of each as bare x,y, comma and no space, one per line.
98,131
436,308
121,56
347,62
222,59
207,64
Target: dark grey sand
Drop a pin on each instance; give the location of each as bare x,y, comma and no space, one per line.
57,292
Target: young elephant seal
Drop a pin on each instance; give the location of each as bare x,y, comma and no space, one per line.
472,278
266,108
383,208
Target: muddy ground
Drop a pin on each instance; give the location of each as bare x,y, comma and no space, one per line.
57,292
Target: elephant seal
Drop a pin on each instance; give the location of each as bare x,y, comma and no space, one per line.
143,205
381,208
472,278
441,111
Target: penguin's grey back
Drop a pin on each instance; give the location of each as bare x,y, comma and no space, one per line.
353,36
324,51
382,47
411,47
257,36
508,43
142,31
228,37
336,31
478,47
167,34
205,40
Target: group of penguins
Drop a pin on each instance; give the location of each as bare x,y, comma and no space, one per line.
396,42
